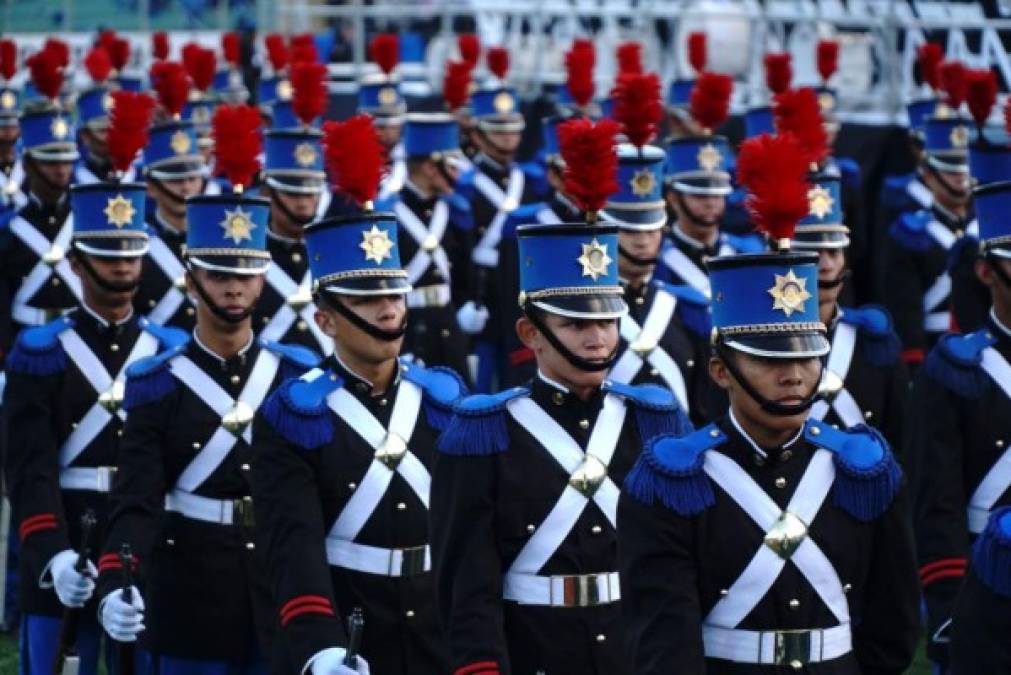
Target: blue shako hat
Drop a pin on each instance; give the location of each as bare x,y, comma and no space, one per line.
679,95
356,254
823,226
173,152
766,304
918,112
294,160
48,135
431,135
379,96
758,121
946,140
282,116
699,165
272,89
229,86
552,149
989,163
200,111
10,106
993,204
496,107
94,106
638,204
571,270
227,233
109,219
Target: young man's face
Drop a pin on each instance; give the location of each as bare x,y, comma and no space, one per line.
56,174
235,294
301,205
698,210
783,381
1000,290
96,140
389,135
641,244
122,274
386,312
831,264
953,192
590,339
181,188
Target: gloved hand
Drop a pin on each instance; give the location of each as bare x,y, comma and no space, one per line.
472,318
72,588
331,662
121,620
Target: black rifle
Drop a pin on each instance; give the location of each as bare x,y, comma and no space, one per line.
68,661
127,649
356,624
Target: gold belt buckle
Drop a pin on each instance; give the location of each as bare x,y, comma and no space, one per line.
242,512
579,590
792,648
412,562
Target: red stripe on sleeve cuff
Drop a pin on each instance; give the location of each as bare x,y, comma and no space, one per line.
38,523
305,604
912,356
942,569
479,668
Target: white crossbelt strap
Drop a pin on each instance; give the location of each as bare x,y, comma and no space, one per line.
325,198
660,313
377,479
839,360
547,216
286,315
998,479
394,180
725,247
937,294
763,570
21,311
567,452
486,251
920,194
434,232
217,399
173,299
689,272
97,417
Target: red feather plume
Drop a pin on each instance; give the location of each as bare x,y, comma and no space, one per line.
953,83
629,55
456,85
8,59
710,101
470,49
637,106
778,72
160,45
60,51
308,91
828,59
928,58
355,158
237,143
277,51
230,47
303,48
774,171
697,51
797,113
579,62
119,52
385,51
46,72
200,64
129,120
170,81
498,61
980,94
98,64
591,162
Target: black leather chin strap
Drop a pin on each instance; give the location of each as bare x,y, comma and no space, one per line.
111,286
643,262
577,361
216,310
36,174
494,145
359,322
838,281
275,197
710,222
957,193
994,261
771,407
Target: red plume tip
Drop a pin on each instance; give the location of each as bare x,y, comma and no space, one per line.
498,61
8,59
385,51
456,85
277,51
308,91
46,73
797,113
303,48
170,81
774,171
98,64
591,162
470,49
953,83
129,120
160,45
828,59
710,101
637,106
981,94
237,143
778,72
629,55
230,48
697,51
579,62
355,158
119,52
928,58
200,64
59,49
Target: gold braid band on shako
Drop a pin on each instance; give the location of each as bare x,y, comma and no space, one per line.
826,227
568,292
121,234
236,252
996,241
758,328
361,274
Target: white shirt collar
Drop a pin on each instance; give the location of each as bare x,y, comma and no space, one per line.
751,441
242,352
102,320
997,322
692,241
165,225
551,382
418,192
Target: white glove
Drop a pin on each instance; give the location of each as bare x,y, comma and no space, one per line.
121,620
472,318
72,588
331,662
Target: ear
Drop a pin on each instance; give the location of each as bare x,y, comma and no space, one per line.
75,265
528,333
327,321
983,272
190,286
719,373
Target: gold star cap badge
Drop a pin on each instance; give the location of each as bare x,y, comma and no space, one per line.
284,90
594,260
643,183
387,96
108,102
59,128
237,225
503,102
119,211
8,100
305,154
180,142
789,293
819,201
377,245
959,136
709,157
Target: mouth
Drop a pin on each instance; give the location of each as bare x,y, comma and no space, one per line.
790,400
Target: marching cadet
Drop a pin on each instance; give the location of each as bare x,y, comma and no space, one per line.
864,380
918,290
958,447
524,490
734,557
379,97
64,399
182,496
12,172
93,107
434,235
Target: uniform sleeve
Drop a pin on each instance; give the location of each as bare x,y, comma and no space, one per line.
979,630
659,597
289,527
896,395
467,565
904,300
7,289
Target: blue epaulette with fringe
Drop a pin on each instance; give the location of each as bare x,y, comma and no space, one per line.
910,230
298,411
955,360
746,243
670,471
893,192
478,427
692,308
867,475
167,336
991,552
461,216
656,410
879,344
441,387
295,359
38,350
524,215
150,379
537,177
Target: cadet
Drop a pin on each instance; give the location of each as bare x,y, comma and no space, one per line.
960,429
93,106
523,494
12,171
379,97
63,399
734,557
181,497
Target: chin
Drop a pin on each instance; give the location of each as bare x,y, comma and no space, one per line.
587,378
